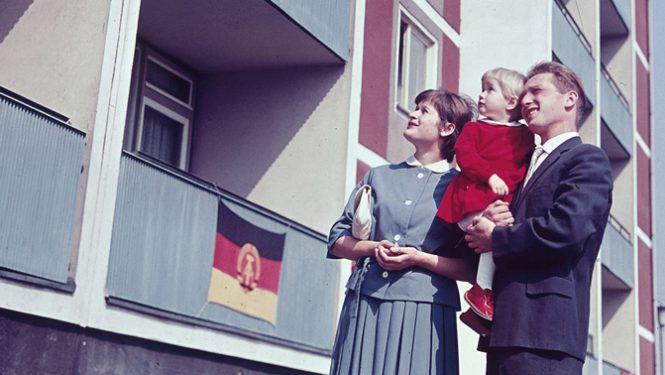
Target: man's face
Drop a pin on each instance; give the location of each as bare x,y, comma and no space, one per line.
542,103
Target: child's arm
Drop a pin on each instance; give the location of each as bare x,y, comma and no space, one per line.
472,164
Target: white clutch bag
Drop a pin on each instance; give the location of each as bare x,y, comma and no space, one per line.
362,213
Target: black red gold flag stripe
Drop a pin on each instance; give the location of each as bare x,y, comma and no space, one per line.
246,266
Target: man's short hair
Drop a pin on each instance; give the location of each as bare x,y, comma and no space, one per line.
564,80
511,82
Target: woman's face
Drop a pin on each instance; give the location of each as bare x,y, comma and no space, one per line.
424,126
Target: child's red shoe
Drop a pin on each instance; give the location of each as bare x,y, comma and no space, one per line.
481,301
476,323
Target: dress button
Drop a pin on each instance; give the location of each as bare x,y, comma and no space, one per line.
420,175
408,202
397,237
384,274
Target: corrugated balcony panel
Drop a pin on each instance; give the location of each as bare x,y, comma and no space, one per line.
568,47
41,165
617,256
163,233
162,256
327,20
307,304
590,366
616,115
610,369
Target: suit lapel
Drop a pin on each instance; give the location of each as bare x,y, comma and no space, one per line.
543,168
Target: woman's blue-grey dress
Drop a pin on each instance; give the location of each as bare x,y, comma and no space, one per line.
400,322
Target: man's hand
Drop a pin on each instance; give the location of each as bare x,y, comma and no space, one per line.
499,213
498,186
479,234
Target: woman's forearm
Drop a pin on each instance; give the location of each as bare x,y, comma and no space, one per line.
351,248
454,268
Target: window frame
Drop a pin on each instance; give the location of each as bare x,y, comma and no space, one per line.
145,94
402,101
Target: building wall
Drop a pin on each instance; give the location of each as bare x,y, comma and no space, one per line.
55,63
255,128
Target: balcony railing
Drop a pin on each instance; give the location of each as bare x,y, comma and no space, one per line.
615,111
617,252
572,48
161,261
41,157
328,21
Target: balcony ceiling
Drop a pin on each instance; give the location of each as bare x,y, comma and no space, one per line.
225,35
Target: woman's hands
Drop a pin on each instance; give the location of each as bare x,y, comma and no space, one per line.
395,258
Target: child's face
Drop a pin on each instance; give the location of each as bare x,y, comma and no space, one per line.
492,103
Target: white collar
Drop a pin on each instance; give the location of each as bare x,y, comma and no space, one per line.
492,122
438,167
557,141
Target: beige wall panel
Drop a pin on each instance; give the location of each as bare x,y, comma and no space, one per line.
51,52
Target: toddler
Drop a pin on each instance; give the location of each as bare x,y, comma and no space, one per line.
493,155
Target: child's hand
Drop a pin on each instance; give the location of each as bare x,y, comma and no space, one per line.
498,186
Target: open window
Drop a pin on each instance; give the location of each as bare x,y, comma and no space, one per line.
416,61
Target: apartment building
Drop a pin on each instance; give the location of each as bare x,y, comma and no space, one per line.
135,135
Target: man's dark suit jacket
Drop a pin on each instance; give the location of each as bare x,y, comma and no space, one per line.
546,259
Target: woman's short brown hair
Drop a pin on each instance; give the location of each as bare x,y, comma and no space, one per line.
452,108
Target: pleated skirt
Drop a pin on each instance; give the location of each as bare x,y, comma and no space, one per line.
395,337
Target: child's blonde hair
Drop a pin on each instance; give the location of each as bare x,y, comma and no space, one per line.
510,81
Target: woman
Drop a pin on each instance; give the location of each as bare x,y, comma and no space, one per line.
399,312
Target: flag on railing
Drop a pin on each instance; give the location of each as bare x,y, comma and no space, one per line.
246,267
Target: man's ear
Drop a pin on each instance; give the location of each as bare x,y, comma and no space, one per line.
571,99
446,129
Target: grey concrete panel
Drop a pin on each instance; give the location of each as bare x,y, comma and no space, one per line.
41,160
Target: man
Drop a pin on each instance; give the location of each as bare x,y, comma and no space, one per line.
545,259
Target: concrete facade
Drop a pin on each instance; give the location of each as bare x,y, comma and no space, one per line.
287,117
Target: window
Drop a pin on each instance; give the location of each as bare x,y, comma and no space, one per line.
161,109
416,61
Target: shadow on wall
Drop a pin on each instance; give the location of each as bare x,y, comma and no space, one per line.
10,12
245,120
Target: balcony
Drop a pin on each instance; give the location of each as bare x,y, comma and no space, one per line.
327,21
163,248
571,47
41,157
615,113
590,366
617,257
615,17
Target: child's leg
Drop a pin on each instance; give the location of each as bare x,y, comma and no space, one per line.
468,219
486,269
